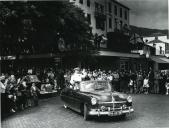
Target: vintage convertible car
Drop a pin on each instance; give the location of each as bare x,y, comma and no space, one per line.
95,98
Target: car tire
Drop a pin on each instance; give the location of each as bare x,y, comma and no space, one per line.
85,112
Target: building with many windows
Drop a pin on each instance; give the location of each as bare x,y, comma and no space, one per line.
111,19
104,15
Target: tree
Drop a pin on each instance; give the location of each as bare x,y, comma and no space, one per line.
36,27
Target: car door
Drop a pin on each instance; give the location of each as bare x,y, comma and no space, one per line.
76,100
66,96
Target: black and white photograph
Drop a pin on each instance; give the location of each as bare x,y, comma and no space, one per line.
84,64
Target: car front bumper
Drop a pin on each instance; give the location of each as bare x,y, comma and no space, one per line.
98,112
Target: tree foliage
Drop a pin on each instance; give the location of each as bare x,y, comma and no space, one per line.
36,27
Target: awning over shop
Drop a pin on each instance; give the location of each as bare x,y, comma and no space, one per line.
159,59
117,54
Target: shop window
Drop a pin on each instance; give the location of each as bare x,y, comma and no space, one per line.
124,65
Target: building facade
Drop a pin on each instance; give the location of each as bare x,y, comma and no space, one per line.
104,15
160,43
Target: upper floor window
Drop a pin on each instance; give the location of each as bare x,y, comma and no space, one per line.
160,50
96,6
110,23
116,23
102,8
100,24
125,15
99,7
115,10
89,18
88,3
110,7
81,1
121,12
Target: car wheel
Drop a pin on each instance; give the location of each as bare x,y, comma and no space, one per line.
85,112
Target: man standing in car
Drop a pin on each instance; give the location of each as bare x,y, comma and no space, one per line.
76,77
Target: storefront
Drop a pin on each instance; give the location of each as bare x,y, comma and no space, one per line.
118,60
160,62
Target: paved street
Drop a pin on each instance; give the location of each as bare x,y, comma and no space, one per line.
151,111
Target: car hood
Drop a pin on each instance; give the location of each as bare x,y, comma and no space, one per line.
108,96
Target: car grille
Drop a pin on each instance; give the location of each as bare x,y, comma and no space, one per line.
112,106
118,105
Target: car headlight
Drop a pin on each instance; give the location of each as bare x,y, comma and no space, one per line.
94,101
129,99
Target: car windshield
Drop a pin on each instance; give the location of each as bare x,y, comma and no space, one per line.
89,86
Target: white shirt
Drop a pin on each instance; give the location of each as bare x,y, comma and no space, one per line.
131,83
110,77
76,78
145,83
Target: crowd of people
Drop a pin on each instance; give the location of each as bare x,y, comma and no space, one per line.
125,81
17,94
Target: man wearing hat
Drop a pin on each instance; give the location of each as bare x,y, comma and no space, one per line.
76,77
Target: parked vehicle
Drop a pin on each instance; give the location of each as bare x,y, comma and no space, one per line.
44,88
96,98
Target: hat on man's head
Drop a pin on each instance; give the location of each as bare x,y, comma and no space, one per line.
77,69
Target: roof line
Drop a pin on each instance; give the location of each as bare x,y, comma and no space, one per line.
121,4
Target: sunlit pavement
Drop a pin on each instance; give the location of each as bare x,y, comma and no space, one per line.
151,111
